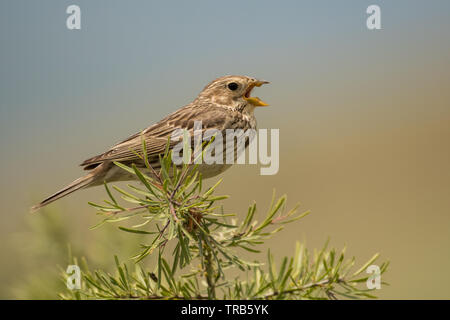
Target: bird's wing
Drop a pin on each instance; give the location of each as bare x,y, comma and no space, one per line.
157,135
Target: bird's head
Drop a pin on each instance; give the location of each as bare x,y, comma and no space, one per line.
233,91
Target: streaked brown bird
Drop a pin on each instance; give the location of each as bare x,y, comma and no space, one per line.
224,103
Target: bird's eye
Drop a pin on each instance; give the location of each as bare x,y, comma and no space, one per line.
233,86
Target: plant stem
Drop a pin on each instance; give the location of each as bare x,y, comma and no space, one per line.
209,271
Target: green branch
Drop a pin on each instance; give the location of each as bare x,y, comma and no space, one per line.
172,211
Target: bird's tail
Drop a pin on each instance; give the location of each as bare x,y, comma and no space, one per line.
93,178
74,186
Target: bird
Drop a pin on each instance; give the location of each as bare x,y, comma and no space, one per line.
224,103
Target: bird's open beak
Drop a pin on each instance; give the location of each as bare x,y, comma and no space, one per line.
255,100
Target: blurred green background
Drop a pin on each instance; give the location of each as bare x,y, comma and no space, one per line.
363,116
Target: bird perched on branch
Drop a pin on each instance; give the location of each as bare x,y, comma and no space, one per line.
225,103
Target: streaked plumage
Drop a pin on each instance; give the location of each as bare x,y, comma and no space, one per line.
219,106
